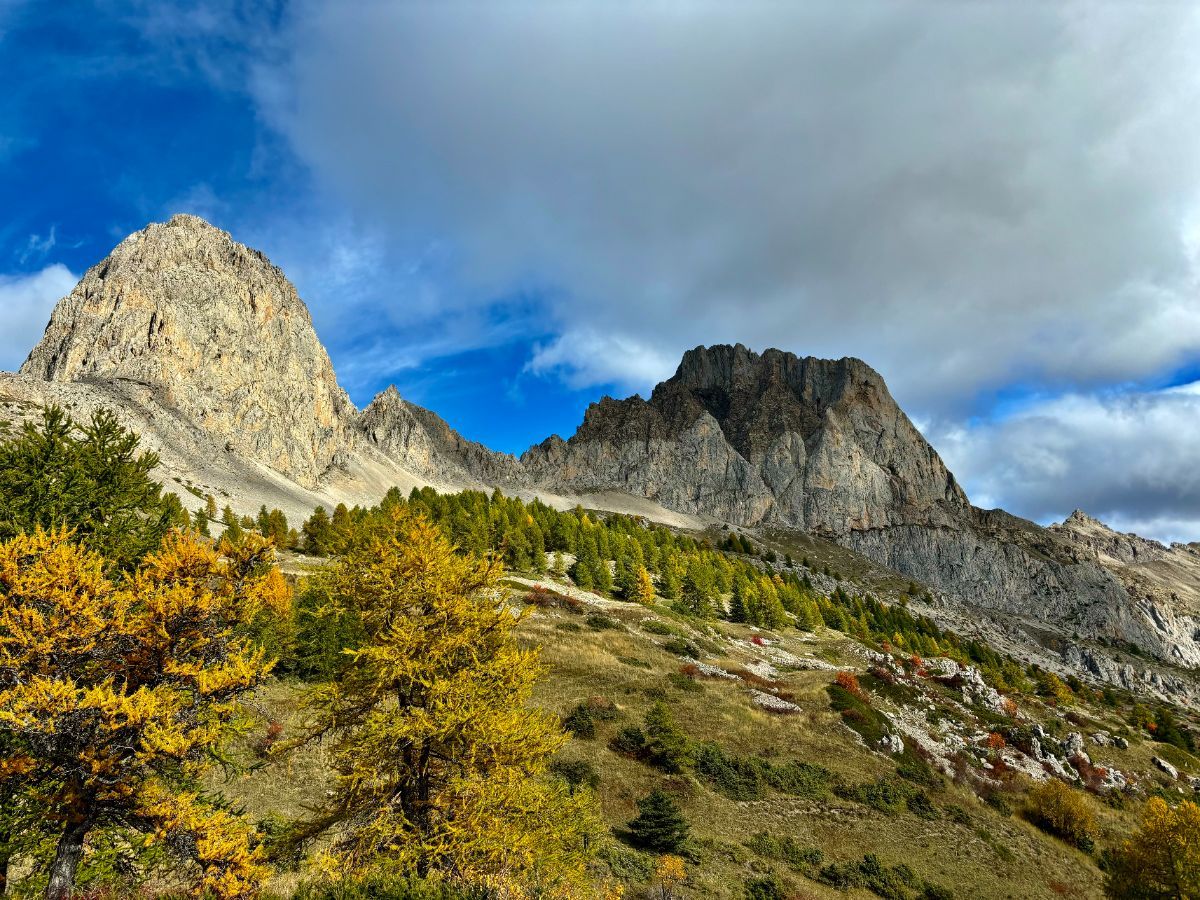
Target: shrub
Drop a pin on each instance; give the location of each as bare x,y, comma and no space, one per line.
858,714
848,681
680,647
890,795
544,598
576,773
1061,811
580,723
997,801
601,708
684,683
630,741
268,741
804,859
764,684
654,626
891,882
767,888
750,778
914,766
601,622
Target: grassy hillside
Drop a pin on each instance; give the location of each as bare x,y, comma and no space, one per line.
620,659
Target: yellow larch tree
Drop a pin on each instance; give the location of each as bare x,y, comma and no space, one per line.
440,762
645,586
116,697
1162,860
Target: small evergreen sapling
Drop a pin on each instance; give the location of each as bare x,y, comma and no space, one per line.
660,825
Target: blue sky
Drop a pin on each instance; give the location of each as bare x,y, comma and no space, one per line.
509,209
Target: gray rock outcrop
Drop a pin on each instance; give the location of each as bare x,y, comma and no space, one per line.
430,448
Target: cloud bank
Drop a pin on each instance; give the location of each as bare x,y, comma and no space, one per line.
1128,458
963,195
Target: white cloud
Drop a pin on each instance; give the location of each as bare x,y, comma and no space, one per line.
1128,458
962,194
26,302
585,358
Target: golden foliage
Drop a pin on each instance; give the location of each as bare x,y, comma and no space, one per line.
112,695
670,873
440,762
645,586
1162,860
1063,811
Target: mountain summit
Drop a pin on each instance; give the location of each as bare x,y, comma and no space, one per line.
761,438
217,331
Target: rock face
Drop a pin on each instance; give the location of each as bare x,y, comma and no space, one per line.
753,439
821,446
430,448
217,332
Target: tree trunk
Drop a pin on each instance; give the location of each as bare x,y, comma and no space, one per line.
5,859
66,859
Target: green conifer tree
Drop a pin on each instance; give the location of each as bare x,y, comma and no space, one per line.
660,826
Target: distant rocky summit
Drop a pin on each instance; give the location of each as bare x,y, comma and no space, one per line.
203,346
773,438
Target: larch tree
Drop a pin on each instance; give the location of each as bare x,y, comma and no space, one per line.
440,763
115,697
645,586
1162,860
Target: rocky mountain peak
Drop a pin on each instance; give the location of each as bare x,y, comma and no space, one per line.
216,331
429,447
761,437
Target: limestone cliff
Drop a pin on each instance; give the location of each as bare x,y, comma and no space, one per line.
772,438
217,332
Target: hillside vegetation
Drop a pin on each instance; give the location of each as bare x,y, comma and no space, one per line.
474,696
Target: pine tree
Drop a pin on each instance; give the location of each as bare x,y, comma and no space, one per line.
233,528
318,533
113,727
435,747
90,478
200,522
660,826
699,589
772,614
670,585
210,507
669,748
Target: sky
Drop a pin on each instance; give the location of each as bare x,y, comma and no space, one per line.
509,209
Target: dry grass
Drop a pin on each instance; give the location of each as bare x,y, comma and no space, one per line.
987,856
